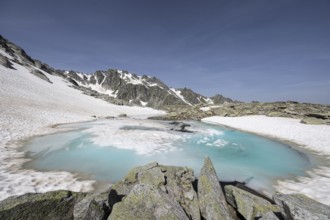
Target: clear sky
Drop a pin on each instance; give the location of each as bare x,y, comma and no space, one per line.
265,50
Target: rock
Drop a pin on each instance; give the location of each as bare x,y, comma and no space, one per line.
173,114
312,121
179,187
248,205
122,115
147,202
92,207
40,75
300,207
211,199
181,127
318,115
4,61
174,182
275,114
34,206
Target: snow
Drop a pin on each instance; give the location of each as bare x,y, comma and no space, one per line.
131,79
29,106
178,94
141,142
209,101
312,137
144,103
208,108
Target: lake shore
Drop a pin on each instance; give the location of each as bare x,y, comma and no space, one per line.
311,137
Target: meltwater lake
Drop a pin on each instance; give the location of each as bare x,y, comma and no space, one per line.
105,150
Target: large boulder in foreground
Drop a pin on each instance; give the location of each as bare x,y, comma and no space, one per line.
146,201
171,186
300,207
35,206
250,206
212,201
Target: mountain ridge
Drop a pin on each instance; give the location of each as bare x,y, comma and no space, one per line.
115,86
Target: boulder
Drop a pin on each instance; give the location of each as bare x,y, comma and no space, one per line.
92,207
312,121
176,183
248,205
181,127
318,115
212,201
145,201
275,114
34,206
300,207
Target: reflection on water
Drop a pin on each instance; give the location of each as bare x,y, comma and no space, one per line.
107,149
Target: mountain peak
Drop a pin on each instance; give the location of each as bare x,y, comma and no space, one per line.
112,85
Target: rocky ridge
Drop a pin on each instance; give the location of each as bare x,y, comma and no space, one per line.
115,86
156,191
308,113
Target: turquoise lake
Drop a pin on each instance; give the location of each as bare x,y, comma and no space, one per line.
106,150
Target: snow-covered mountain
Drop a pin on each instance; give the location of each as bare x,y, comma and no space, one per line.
115,86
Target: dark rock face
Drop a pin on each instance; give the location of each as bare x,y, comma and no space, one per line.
50,205
132,89
192,97
4,61
219,99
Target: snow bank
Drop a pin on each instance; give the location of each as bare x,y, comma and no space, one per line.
29,106
313,137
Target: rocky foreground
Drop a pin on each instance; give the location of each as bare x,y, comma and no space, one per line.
155,191
307,112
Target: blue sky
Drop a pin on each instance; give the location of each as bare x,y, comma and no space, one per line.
265,50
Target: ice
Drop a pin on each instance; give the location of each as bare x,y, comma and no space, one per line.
313,137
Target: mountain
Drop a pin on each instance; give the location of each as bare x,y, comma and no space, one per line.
115,86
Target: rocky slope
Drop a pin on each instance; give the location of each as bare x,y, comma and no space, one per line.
307,112
115,86
155,191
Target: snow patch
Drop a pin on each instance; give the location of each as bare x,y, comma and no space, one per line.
178,94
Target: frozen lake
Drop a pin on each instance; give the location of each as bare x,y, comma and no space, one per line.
106,150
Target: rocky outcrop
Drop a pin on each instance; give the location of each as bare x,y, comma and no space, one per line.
250,206
92,207
308,113
146,201
220,99
180,126
212,201
300,207
15,54
50,205
175,184
156,191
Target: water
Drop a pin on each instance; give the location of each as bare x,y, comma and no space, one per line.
106,150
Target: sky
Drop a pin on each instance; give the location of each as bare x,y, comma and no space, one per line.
262,50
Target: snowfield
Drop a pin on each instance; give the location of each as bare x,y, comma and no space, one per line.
312,137
30,106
